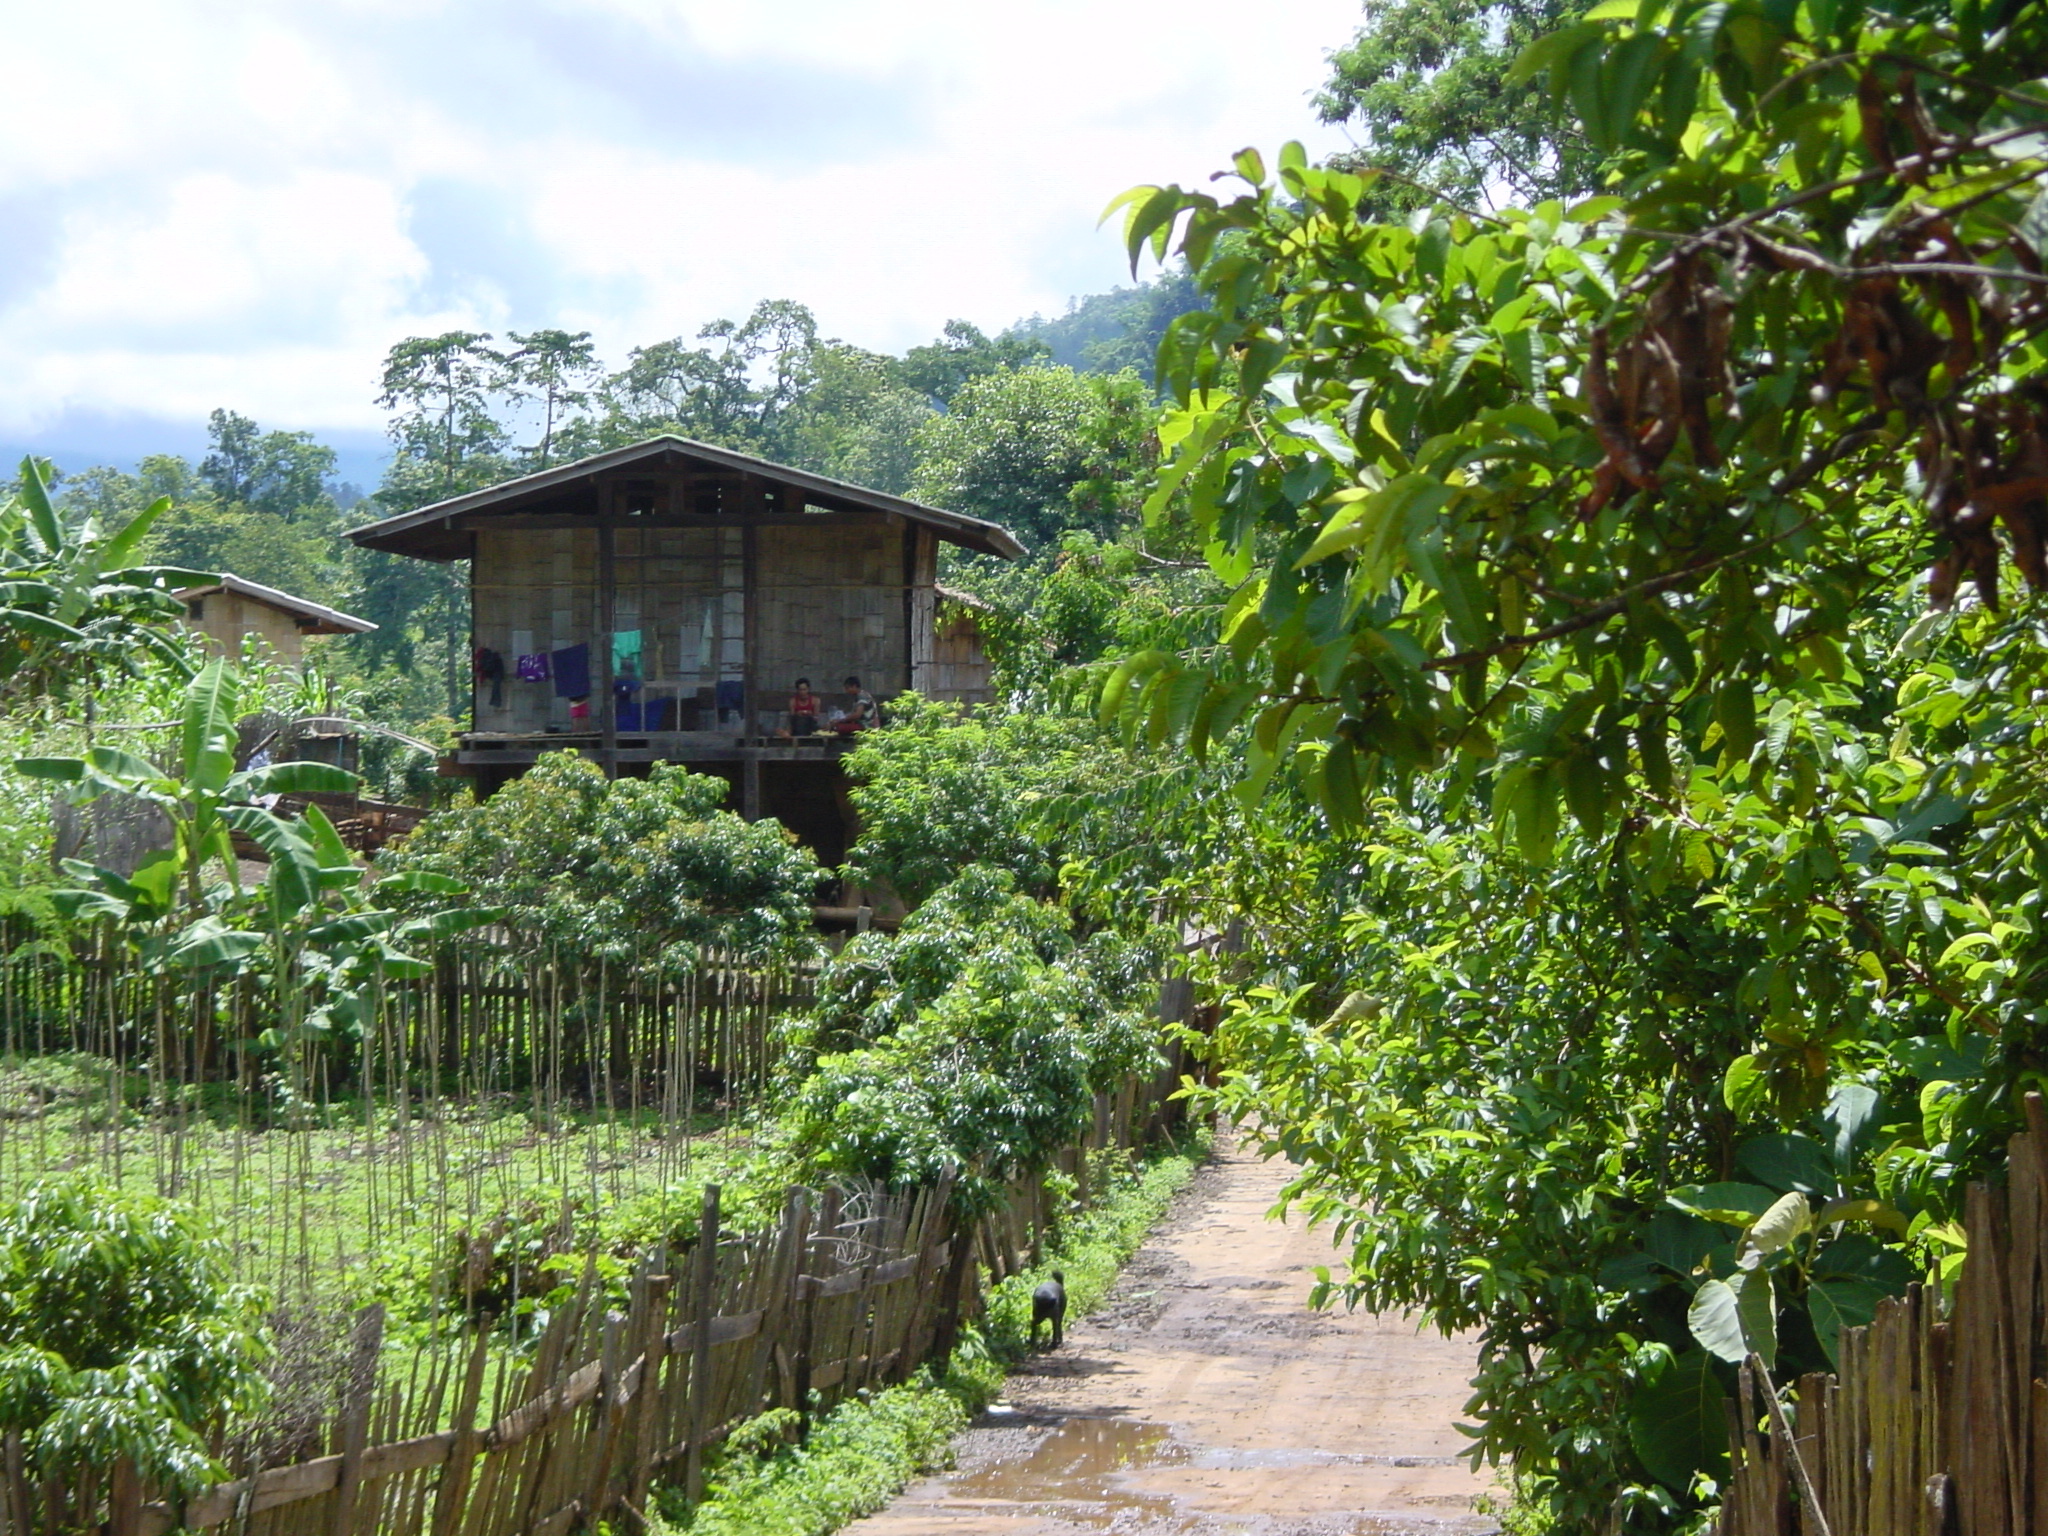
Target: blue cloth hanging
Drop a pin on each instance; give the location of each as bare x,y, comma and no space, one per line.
571,667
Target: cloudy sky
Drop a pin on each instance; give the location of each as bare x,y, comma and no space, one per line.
245,202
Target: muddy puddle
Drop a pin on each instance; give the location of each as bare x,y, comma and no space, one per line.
1078,1473
1091,1474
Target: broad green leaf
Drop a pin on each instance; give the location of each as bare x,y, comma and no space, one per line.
1789,1162
1737,1317
209,727
293,884
1876,1212
1745,1087
1854,1114
123,768
118,552
425,881
1736,1205
35,495
63,770
1715,1320
1836,1302
292,779
207,942
1677,1424
41,625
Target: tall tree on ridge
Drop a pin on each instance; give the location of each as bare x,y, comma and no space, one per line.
555,368
441,392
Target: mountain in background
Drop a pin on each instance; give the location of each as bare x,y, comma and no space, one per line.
1119,329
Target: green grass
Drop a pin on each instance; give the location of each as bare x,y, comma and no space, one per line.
859,1456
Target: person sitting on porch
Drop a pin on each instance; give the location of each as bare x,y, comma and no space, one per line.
861,713
803,709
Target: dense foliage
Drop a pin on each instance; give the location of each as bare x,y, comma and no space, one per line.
1445,117
77,596
974,1038
1692,929
641,871
120,1337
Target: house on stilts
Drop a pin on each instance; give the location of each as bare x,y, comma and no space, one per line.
656,603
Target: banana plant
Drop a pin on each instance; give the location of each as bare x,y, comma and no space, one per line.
72,589
206,796
310,934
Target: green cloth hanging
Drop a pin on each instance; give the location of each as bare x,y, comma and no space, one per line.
626,652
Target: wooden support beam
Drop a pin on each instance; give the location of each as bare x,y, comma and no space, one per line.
751,576
513,522
607,614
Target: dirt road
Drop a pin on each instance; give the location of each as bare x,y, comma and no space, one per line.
1206,1398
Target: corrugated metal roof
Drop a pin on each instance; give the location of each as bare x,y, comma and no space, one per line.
956,527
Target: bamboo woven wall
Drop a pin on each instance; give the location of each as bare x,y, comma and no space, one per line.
831,605
828,601
1936,1425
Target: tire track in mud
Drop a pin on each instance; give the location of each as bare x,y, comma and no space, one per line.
1204,1397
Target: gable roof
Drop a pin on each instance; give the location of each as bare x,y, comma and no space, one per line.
313,618
428,534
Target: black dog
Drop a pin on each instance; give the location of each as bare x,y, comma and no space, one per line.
1049,1304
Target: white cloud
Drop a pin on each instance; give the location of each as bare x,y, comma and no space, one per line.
223,203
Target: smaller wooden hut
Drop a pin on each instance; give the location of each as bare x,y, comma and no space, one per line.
231,609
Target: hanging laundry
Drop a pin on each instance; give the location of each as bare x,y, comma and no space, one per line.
533,669
490,668
571,667
626,651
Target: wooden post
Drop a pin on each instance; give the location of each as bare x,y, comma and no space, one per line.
609,1410
357,1394
461,1463
750,786
780,1323
750,585
653,1351
607,617
706,1300
124,1499
952,1295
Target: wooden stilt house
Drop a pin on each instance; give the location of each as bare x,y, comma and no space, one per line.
656,604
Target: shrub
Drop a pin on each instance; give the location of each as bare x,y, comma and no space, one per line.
638,870
974,1038
120,1337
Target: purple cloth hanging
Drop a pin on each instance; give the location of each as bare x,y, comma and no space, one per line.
533,669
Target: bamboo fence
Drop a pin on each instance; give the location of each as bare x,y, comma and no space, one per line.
1937,1422
850,1290
836,1297
491,1017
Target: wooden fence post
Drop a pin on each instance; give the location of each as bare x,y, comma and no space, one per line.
357,1394
706,1302
461,1463
608,1409
653,1353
